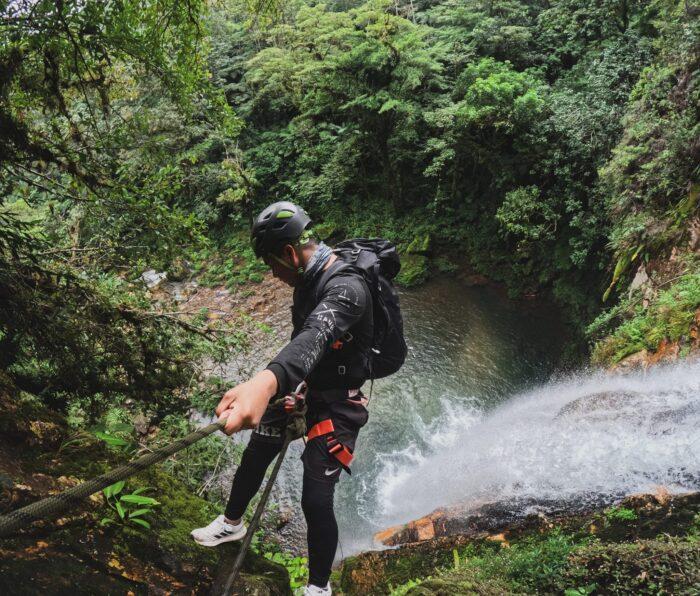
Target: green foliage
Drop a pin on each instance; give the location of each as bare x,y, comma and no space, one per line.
620,514
650,182
414,270
105,111
230,261
643,567
537,562
113,440
668,317
405,588
444,265
533,564
524,215
694,531
485,123
129,507
581,590
197,467
297,567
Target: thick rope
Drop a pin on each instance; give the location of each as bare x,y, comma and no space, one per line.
54,505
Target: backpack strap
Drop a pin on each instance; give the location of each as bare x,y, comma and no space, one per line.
337,267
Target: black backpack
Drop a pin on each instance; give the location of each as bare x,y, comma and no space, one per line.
378,262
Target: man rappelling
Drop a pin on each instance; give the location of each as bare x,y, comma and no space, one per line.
347,328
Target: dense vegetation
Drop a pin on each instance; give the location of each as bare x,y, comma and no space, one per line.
553,145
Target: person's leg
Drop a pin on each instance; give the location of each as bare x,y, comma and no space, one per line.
258,455
265,443
322,528
321,473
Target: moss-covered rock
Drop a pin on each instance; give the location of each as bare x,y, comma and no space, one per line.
661,566
414,270
376,572
540,555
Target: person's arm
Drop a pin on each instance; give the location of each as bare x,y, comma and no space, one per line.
343,303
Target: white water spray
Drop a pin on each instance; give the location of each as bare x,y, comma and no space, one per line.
589,436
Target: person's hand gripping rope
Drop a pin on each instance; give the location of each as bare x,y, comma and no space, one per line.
244,405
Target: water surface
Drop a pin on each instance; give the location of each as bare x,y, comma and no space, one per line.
470,349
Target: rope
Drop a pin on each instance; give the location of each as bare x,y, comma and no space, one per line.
296,428
54,505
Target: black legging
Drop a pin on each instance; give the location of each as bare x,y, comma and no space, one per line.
316,502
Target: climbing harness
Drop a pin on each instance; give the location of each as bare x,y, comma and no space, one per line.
335,447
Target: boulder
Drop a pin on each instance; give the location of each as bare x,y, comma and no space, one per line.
605,401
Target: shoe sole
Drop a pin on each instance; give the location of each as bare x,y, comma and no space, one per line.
218,541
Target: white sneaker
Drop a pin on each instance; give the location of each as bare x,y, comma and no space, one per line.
218,532
312,590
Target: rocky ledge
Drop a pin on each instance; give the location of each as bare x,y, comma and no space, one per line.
645,543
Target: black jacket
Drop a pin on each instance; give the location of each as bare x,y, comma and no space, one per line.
332,333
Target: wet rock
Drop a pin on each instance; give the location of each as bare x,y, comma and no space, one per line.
470,520
667,351
375,572
606,401
659,513
179,270
141,424
153,278
633,362
640,279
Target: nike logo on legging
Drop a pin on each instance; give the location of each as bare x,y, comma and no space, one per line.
331,472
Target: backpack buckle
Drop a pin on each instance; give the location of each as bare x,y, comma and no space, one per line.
341,370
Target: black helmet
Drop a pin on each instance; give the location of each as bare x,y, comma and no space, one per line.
279,224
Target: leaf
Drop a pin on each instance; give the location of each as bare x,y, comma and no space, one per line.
141,489
120,510
105,521
114,489
141,522
139,500
117,487
110,440
390,104
138,512
122,427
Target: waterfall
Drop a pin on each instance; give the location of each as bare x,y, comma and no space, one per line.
587,437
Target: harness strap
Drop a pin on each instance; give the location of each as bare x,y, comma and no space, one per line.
342,454
335,447
322,428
